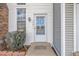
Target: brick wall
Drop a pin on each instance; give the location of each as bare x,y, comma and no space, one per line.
3,19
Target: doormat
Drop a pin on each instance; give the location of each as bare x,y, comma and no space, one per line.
40,47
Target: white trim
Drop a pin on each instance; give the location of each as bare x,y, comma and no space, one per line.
20,5
77,27
63,29
52,24
74,27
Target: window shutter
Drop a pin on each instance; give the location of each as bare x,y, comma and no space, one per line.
69,29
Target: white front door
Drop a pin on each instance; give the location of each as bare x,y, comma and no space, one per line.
40,28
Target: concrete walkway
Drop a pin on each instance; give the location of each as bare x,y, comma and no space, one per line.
40,49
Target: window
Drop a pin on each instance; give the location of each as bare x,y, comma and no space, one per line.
21,19
40,25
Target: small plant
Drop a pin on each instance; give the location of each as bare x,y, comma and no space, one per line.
16,40
19,39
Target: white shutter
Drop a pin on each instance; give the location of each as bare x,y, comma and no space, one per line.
69,29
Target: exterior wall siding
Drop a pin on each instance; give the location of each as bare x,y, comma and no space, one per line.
57,27
31,9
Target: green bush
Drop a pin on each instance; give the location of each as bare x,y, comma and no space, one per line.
15,40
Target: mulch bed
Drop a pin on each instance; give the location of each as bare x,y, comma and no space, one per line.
7,52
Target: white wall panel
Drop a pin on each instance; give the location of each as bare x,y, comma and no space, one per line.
31,9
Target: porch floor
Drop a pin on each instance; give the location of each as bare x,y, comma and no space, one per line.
40,49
